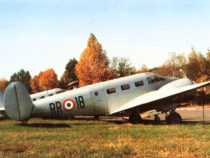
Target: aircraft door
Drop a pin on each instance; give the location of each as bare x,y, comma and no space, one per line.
99,102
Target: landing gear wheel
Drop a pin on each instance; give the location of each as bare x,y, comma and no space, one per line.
173,118
135,118
157,119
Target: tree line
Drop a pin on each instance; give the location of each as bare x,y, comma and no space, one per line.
94,66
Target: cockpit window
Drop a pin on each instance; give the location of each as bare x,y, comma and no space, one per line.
155,78
161,78
151,79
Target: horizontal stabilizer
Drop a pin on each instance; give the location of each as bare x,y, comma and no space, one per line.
18,104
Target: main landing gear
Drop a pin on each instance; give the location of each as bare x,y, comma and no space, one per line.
173,118
135,118
157,119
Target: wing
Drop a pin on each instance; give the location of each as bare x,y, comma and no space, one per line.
152,99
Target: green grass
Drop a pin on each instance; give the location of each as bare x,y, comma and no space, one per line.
81,138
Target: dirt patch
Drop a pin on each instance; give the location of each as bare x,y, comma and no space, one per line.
14,149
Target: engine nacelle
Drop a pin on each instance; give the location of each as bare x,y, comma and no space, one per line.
176,84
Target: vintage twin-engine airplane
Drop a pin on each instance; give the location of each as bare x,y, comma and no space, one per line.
127,96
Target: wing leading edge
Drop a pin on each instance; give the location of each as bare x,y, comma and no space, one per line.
158,96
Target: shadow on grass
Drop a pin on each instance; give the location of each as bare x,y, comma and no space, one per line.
46,125
119,120
196,122
116,120
163,122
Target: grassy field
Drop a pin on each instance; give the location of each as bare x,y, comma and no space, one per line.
92,138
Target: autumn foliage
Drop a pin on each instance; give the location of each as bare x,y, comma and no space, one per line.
196,66
3,84
93,65
44,81
34,83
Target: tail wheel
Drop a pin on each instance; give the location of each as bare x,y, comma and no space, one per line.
135,118
173,118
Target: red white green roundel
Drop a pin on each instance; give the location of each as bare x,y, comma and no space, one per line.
69,104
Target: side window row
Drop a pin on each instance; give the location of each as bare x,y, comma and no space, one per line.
124,87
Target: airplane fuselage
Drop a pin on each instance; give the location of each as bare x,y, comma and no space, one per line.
101,98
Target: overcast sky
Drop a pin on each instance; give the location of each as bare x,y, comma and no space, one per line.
40,34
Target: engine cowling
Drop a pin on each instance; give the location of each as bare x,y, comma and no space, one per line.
176,84
180,83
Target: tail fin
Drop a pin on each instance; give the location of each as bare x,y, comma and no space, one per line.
18,104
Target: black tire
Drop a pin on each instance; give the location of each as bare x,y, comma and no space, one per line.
135,118
174,118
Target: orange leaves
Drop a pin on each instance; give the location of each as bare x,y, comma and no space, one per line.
44,81
48,80
34,83
93,65
3,84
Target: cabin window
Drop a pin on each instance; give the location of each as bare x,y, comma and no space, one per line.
34,99
125,86
51,94
139,83
96,93
42,97
111,90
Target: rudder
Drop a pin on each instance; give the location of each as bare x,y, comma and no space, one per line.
17,101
